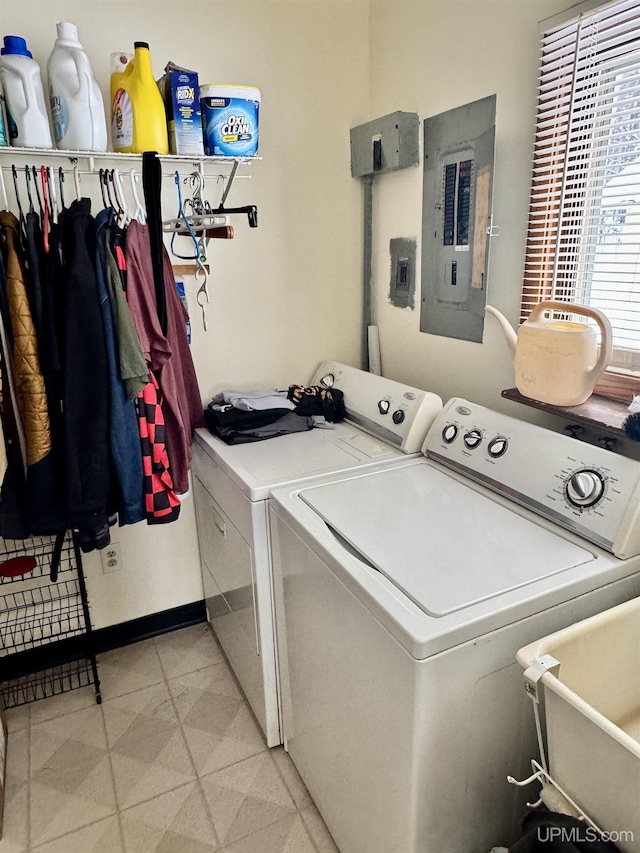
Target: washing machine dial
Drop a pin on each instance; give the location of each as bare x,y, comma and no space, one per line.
585,488
327,380
398,416
472,438
450,433
384,406
497,446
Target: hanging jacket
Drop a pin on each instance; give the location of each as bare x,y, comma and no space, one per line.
161,502
123,426
13,491
86,384
30,390
168,356
44,510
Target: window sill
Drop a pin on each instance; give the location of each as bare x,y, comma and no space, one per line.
601,412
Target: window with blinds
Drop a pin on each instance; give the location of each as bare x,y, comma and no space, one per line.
583,240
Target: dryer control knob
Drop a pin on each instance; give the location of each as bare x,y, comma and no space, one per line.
384,406
585,488
398,416
327,380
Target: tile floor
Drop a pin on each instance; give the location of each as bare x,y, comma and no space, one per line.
171,762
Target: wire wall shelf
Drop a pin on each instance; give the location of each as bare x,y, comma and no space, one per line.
46,643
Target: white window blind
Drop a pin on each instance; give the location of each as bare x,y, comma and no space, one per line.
584,218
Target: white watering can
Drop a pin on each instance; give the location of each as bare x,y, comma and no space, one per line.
557,361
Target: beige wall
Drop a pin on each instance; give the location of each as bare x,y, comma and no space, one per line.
284,296
453,53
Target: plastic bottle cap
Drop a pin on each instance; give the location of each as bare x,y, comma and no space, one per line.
141,44
67,31
15,45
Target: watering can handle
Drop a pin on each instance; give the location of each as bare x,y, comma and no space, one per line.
606,340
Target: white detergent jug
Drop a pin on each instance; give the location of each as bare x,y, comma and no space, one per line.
77,108
27,115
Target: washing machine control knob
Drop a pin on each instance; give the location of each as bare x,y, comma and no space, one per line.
327,380
384,406
472,438
498,446
450,433
398,416
585,488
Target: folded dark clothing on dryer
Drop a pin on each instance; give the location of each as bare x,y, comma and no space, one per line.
236,426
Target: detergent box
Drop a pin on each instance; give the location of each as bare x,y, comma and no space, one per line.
181,94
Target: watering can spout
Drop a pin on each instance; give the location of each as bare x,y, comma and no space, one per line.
509,333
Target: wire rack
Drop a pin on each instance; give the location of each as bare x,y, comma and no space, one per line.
46,644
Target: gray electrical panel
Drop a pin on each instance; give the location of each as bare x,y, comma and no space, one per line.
385,144
456,219
402,283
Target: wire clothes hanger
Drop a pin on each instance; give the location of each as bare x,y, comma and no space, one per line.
201,274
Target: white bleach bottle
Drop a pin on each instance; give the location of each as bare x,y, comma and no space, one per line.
77,108
27,117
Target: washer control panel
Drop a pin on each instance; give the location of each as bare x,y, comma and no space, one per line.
588,489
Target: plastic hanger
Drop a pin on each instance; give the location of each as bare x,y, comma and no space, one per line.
104,190
5,200
46,214
14,173
76,182
139,213
119,191
117,205
51,187
61,183
27,175
184,222
199,220
34,172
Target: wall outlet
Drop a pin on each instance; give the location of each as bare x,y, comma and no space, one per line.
111,557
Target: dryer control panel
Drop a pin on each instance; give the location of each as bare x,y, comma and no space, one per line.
589,490
396,413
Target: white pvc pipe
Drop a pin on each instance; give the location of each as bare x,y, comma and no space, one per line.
373,341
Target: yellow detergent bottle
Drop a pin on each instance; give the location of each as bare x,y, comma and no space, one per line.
138,119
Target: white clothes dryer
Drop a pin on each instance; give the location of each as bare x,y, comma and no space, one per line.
402,599
386,422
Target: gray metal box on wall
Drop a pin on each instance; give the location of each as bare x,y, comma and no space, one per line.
385,144
456,217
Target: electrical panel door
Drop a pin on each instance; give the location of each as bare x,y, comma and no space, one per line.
456,219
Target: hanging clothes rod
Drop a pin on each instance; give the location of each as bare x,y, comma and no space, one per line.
194,159
88,172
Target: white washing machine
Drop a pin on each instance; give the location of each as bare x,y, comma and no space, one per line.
385,422
404,596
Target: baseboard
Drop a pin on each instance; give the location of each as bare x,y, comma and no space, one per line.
145,627
104,639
